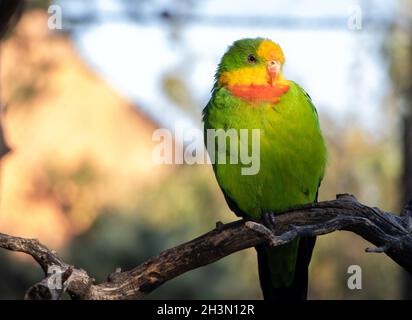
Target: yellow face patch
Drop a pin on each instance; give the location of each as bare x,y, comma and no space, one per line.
269,51
256,75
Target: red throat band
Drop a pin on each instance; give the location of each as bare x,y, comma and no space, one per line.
259,92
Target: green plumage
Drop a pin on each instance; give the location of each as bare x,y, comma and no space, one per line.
292,155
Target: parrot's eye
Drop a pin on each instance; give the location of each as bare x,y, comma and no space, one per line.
251,58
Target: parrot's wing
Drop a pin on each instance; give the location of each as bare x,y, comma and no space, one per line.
306,244
309,101
315,113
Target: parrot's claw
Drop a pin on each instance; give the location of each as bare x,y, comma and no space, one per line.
266,229
269,220
263,231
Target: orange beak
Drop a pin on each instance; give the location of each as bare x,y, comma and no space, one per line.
273,69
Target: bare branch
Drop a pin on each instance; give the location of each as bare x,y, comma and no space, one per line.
388,232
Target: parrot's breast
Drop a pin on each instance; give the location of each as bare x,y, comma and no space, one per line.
292,151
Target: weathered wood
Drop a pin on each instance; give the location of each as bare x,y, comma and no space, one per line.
388,232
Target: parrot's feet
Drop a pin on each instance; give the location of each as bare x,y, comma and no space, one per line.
267,229
269,220
263,231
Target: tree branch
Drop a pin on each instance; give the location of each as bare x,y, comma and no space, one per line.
390,234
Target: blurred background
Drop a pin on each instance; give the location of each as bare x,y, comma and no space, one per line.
80,104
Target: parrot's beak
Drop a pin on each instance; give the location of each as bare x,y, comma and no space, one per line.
273,69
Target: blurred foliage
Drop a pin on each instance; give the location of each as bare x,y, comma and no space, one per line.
71,191
20,6
38,4
178,92
21,274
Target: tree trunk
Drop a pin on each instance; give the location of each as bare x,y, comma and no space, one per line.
406,182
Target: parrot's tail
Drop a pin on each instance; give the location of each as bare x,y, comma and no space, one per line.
283,270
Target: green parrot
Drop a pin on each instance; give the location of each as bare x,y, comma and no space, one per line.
250,93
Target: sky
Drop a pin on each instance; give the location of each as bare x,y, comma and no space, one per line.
342,69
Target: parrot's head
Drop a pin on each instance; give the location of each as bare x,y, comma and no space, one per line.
252,69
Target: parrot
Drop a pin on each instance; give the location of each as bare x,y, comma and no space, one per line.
250,92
